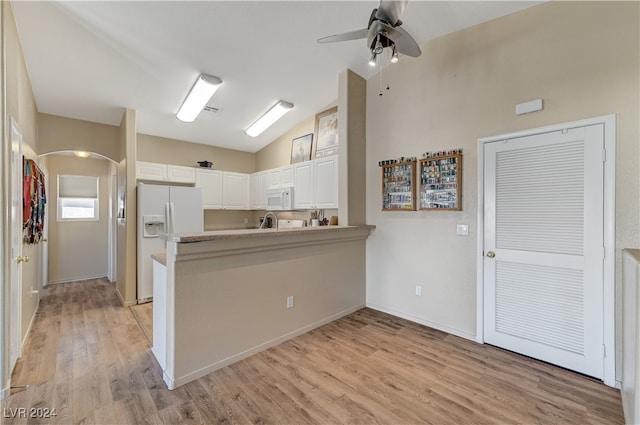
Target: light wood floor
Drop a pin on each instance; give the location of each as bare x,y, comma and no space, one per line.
87,358
143,314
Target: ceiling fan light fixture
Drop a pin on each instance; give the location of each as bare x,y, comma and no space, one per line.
378,47
271,116
394,55
201,92
372,61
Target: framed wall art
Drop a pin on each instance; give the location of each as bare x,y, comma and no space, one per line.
301,148
326,133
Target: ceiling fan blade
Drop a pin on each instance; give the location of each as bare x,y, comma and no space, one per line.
390,11
346,36
405,44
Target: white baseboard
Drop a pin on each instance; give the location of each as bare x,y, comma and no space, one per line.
26,335
76,279
173,383
434,325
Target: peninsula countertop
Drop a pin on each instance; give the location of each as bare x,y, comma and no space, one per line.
256,233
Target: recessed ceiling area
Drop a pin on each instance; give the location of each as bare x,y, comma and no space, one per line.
91,59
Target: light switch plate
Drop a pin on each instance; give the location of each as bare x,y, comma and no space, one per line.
462,230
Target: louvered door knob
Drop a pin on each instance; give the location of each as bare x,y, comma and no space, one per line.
491,254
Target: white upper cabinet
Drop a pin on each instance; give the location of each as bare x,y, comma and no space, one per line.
211,183
165,173
273,178
286,176
235,191
316,183
180,174
303,193
280,177
258,190
151,171
325,178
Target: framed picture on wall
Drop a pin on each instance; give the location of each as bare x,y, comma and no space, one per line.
301,148
326,133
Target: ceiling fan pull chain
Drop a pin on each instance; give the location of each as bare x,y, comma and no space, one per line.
380,82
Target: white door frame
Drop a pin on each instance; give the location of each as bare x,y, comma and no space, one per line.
15,306
609,295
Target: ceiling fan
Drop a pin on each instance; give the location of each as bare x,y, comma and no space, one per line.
384,30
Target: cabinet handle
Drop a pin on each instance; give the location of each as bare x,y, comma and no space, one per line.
24,259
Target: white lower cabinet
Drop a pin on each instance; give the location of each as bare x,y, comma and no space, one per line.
316,183
211,183
159,348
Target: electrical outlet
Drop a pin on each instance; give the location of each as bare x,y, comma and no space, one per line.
462,230
419,291
290,301
246,220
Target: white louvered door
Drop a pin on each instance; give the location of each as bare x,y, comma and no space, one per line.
543,247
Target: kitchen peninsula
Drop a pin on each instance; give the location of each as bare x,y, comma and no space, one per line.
226,295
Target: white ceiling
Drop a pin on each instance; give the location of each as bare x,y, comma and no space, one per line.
90,59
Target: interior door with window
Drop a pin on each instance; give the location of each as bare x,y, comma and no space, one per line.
543,247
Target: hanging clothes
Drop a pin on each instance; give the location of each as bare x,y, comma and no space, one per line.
34,200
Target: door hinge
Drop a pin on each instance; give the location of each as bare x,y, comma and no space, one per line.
604,155
604,253
604,351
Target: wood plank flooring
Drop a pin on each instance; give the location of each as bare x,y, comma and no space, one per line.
143,314
87,358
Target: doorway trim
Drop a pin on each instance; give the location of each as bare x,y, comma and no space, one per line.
609,295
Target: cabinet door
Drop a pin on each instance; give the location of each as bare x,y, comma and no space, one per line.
235,191
273,178
211,183
254,190
180,174
325,178
286,176
303,192
151,171
257,190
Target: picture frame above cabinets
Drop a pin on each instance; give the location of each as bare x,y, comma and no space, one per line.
326,131
301,148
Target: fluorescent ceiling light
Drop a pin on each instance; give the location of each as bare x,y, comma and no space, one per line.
81,154
204,87
271,116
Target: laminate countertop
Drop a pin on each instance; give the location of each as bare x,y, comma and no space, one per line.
160,257
255,233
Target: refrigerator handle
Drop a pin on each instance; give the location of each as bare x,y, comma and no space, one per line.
172,214
167,214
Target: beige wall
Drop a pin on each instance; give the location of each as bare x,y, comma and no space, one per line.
580,57
61,134
216,323
78,249
278,153
126,227
18,102
178,152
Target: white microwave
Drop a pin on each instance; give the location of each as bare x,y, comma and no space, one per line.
280,199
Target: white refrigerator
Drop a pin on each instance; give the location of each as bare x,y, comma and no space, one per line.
163,209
